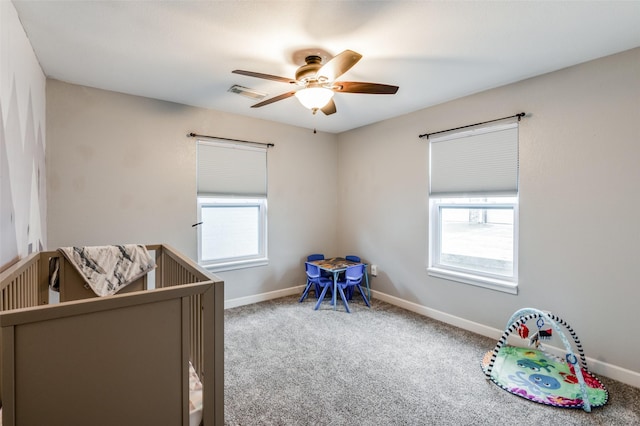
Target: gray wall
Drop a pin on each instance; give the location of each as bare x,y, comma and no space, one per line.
121,170
579,227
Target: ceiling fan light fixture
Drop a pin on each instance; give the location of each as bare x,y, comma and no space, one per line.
314,98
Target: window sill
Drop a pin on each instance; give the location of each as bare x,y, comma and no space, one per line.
485,282
230,266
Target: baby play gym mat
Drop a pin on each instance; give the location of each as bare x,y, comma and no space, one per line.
533,373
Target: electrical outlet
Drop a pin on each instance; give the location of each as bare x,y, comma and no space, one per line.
374,270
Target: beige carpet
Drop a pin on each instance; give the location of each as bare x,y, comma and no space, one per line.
286,364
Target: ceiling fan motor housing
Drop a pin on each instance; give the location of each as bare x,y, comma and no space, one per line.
307,73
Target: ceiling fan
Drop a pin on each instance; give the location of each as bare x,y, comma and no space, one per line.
317,83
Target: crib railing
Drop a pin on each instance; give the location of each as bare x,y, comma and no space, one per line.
20,285
26,284
175,269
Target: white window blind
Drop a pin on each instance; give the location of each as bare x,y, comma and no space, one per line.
226,168
481,161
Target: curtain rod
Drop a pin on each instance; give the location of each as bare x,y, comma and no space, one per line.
195,135
520,115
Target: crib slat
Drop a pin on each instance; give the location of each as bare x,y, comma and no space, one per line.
20,283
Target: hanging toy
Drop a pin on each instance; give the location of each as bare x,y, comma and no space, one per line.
534,340
523,331
543,334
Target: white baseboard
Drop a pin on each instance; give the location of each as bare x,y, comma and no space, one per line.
438,315
620,374
262,297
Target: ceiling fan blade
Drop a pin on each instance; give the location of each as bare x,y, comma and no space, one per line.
362,87
265,76
329,108
274,99
338,65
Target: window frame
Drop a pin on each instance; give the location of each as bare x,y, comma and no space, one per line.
232,263
477,168
470,276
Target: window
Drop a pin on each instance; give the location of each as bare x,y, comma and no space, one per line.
473,232
232,232
232,205
474,241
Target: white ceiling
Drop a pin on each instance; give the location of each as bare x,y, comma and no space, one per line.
184,51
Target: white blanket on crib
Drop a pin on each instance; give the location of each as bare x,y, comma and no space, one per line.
195,397
107,269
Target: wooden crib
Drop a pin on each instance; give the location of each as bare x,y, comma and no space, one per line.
116,360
